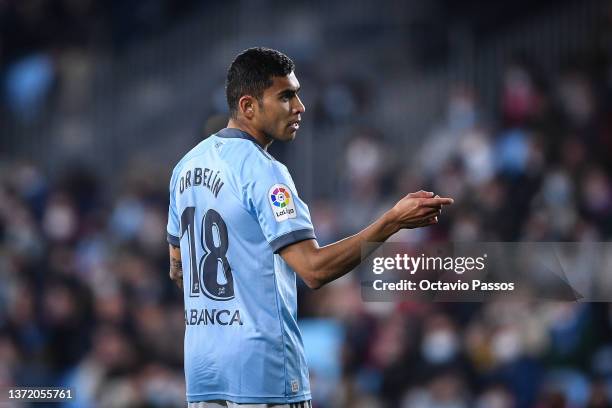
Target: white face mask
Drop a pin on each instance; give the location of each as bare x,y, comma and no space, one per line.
439,346
494,399
507,345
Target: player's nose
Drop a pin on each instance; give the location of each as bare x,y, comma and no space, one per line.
299,107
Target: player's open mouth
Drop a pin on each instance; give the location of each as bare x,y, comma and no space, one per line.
295,125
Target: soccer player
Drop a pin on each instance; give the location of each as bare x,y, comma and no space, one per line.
239,232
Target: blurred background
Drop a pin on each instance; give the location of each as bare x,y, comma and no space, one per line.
505,106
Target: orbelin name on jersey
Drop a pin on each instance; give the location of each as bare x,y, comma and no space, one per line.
220,317
204,177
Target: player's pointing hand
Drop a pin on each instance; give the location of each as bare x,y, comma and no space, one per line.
418,209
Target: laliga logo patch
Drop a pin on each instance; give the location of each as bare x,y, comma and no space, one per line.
281,202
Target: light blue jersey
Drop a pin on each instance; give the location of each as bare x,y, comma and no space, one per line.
232,208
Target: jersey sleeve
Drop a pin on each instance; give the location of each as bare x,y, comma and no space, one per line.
173,227
282,215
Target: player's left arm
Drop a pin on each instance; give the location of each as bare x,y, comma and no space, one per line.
320,265
176,266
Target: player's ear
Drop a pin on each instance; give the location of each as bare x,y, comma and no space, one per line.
247,107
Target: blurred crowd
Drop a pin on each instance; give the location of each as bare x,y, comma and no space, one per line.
86,302
46,46
537,167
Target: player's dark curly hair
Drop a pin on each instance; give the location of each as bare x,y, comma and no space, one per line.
252,72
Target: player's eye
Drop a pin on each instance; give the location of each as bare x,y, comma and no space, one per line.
285,97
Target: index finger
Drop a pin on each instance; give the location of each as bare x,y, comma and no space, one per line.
437,202
421,194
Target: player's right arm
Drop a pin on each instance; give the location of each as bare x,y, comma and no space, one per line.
176,266
173,232
320,265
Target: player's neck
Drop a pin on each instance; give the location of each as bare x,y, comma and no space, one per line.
258,135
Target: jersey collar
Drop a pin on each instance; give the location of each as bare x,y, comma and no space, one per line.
233,133
230,133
